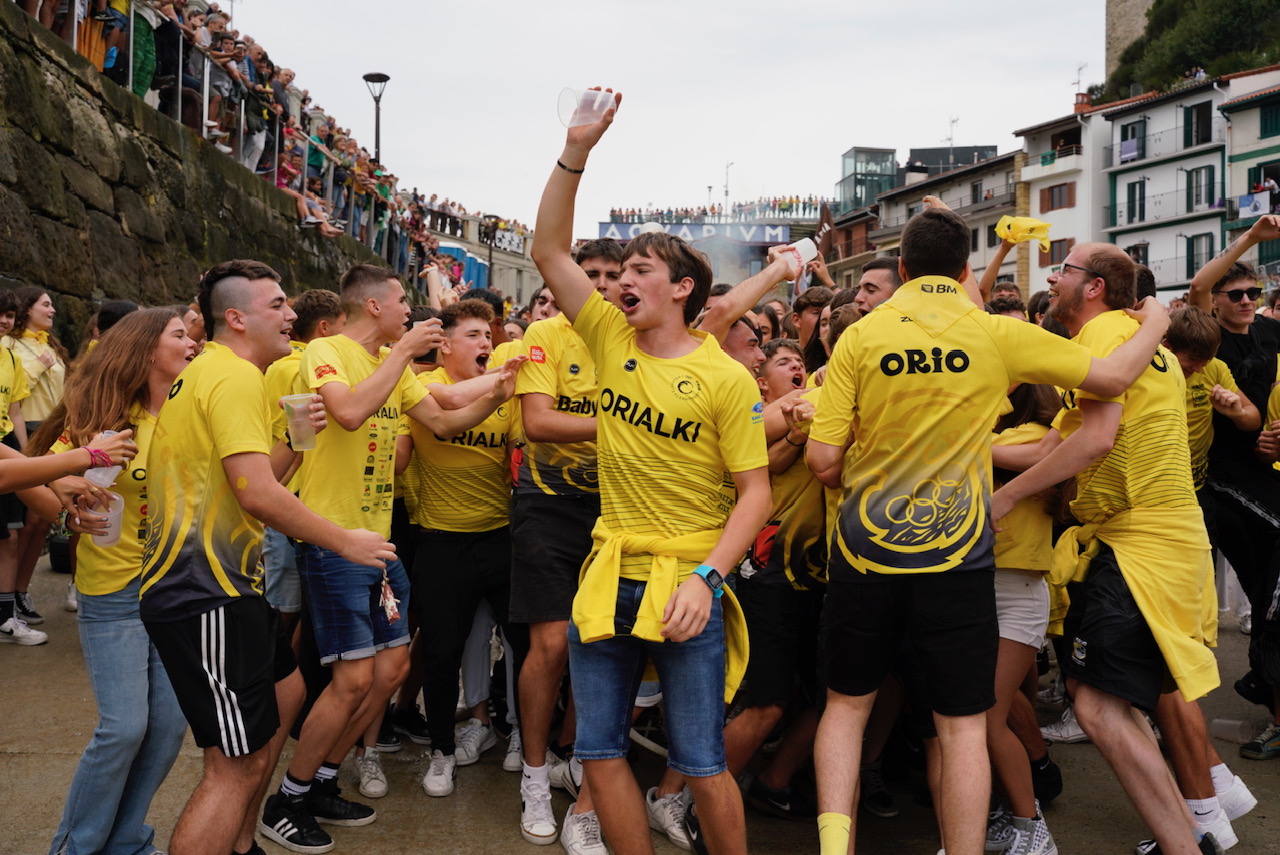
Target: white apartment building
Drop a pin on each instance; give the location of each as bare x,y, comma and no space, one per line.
1164,175
1253,162
1063,172
981,192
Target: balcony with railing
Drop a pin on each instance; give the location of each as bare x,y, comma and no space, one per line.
1164,143
1067,158
1164,206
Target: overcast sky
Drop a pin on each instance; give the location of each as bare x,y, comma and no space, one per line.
781,89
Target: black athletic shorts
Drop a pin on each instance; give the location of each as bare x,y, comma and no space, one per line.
221,665
783,627
1110,646
13,513
948,618
550,538
285,663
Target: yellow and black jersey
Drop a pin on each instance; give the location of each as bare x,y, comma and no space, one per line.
560,367
1150,464
1200,413
670,432
918,383
203,550
462,482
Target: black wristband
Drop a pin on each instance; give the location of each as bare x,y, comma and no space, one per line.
567,169
787,438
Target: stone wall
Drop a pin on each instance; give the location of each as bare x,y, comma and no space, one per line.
1126,20
102,197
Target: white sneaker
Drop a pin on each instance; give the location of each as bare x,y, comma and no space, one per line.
1031,836
1000,833
473,739
666,814
1066,729
72,604
581,833
438,781
1236,800
514,759
537,822
225,149
1220,827
16,631
373,781
566,774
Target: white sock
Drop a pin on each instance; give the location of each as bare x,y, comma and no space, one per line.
1204,811
537,774
1223,779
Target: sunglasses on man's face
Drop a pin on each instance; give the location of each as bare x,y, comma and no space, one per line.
1237,294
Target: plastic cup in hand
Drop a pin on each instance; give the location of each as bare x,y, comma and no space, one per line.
579,107
103,476
799,254
115,516
297,409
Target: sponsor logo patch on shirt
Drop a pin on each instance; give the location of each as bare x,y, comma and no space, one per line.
537,354
325,371
757,412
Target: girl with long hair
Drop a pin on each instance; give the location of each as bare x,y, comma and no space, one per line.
120,385
45,361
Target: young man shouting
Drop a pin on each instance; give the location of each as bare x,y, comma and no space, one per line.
679,422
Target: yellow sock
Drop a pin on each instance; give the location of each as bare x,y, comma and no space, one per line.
833,833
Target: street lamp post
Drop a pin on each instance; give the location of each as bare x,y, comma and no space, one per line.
377,81
726,185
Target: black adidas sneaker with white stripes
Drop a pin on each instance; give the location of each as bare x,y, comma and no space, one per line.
286,820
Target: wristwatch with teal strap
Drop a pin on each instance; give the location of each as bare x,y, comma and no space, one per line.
712,577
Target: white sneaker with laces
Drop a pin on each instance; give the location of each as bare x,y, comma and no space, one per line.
1066,729
581,833
438,781
72,602
373,781
16,631
473,739
1000,833
514,759
1237,800
537,822
1031,836
666,814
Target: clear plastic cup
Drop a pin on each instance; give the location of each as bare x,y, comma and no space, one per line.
583,106
103,476
297,409
115,516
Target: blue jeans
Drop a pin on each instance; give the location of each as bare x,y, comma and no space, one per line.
343,598
283,588
606,676
140,729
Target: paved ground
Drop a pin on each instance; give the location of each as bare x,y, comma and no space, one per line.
47,714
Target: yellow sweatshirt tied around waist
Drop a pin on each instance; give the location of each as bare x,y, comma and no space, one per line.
1164,556
1018,229
597,597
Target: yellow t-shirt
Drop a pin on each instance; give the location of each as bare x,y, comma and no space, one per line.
203,550
560,367
670,432
1200,413
462,482
43,382
348,477
107,569
509,350
13,387
1150,464
791,548
919,382
1025,538
282,379
1273,406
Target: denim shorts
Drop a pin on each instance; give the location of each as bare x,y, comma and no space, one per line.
283,589
343,597
606,675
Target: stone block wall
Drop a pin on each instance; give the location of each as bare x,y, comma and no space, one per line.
102,197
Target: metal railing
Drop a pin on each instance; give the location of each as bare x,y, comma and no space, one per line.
1049,158
742,212
1163,206
1161,143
